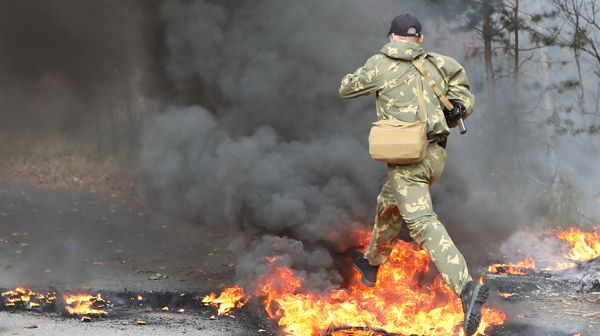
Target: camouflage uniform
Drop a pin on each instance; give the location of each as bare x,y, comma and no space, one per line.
405,195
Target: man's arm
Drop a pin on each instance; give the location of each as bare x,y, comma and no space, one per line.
362,82
458,85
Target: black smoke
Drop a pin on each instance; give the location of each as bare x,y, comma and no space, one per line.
277,158
282,161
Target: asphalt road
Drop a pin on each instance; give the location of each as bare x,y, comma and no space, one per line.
70,240
158,324
74,241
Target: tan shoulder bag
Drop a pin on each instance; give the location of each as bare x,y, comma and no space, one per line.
398,142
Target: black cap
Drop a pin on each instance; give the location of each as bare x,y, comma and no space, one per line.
402,23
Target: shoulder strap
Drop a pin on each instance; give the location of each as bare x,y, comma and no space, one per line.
420,97
418,63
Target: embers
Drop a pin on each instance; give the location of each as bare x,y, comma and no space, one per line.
85,305
90,306
358,331
230,299
23,298
526,266
582,252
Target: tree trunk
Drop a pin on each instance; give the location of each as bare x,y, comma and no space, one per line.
113,128
516,27
487,50
516,89
556,184
99,134
487,34
131,126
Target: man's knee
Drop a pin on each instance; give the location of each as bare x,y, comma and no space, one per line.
422,226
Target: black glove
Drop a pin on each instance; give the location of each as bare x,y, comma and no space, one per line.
458,112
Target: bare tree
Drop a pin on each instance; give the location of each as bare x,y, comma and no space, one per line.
577,29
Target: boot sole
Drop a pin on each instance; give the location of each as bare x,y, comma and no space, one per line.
473,316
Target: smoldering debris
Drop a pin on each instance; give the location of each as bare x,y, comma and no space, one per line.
256,185
285,252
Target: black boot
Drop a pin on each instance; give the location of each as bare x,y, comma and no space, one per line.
473,297
368,273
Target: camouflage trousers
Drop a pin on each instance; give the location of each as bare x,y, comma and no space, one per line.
405,198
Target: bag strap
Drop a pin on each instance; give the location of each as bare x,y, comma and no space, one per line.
418,63
421,98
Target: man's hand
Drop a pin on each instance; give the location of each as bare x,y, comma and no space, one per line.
453,116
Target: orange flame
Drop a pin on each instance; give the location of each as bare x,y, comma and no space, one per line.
399,303
84,304
27,297
506,295
561,265
517,268
584,246
230,299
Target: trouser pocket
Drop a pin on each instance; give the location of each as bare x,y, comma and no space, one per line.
437,162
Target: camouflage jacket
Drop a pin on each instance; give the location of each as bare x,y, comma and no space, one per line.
391,76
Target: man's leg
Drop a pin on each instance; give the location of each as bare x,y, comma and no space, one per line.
411,187
386,228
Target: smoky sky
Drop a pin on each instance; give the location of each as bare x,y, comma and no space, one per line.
274,65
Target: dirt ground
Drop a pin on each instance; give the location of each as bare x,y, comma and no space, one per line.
51,239
158,324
